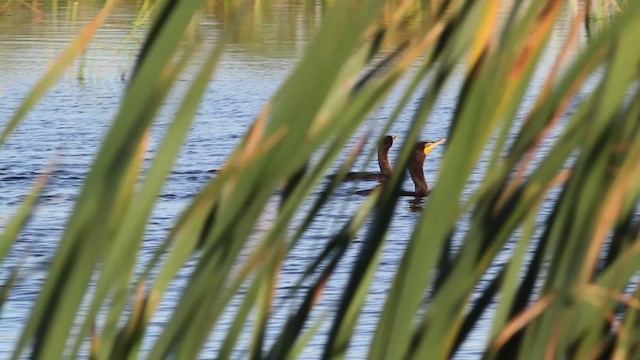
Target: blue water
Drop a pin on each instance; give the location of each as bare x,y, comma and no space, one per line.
66,127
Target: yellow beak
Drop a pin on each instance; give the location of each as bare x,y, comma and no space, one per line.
432,144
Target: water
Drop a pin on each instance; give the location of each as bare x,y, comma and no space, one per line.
67,126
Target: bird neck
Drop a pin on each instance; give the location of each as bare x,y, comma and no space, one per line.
417,175
383,161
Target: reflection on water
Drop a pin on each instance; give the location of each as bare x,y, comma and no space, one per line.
68,124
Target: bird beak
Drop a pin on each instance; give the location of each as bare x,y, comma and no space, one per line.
430,145
393,138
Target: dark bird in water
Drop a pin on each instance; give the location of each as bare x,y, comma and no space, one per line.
420,152
383,161
416,172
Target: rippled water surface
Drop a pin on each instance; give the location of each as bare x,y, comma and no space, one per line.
67,126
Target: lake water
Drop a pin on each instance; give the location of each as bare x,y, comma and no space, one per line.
68,124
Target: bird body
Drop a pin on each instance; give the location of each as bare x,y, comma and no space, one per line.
383,163
416,164
415,167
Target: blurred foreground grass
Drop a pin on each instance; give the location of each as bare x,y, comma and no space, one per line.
570,291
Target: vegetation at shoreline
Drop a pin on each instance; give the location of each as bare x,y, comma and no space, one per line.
568,289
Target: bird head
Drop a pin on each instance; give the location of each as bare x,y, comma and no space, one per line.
430,145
